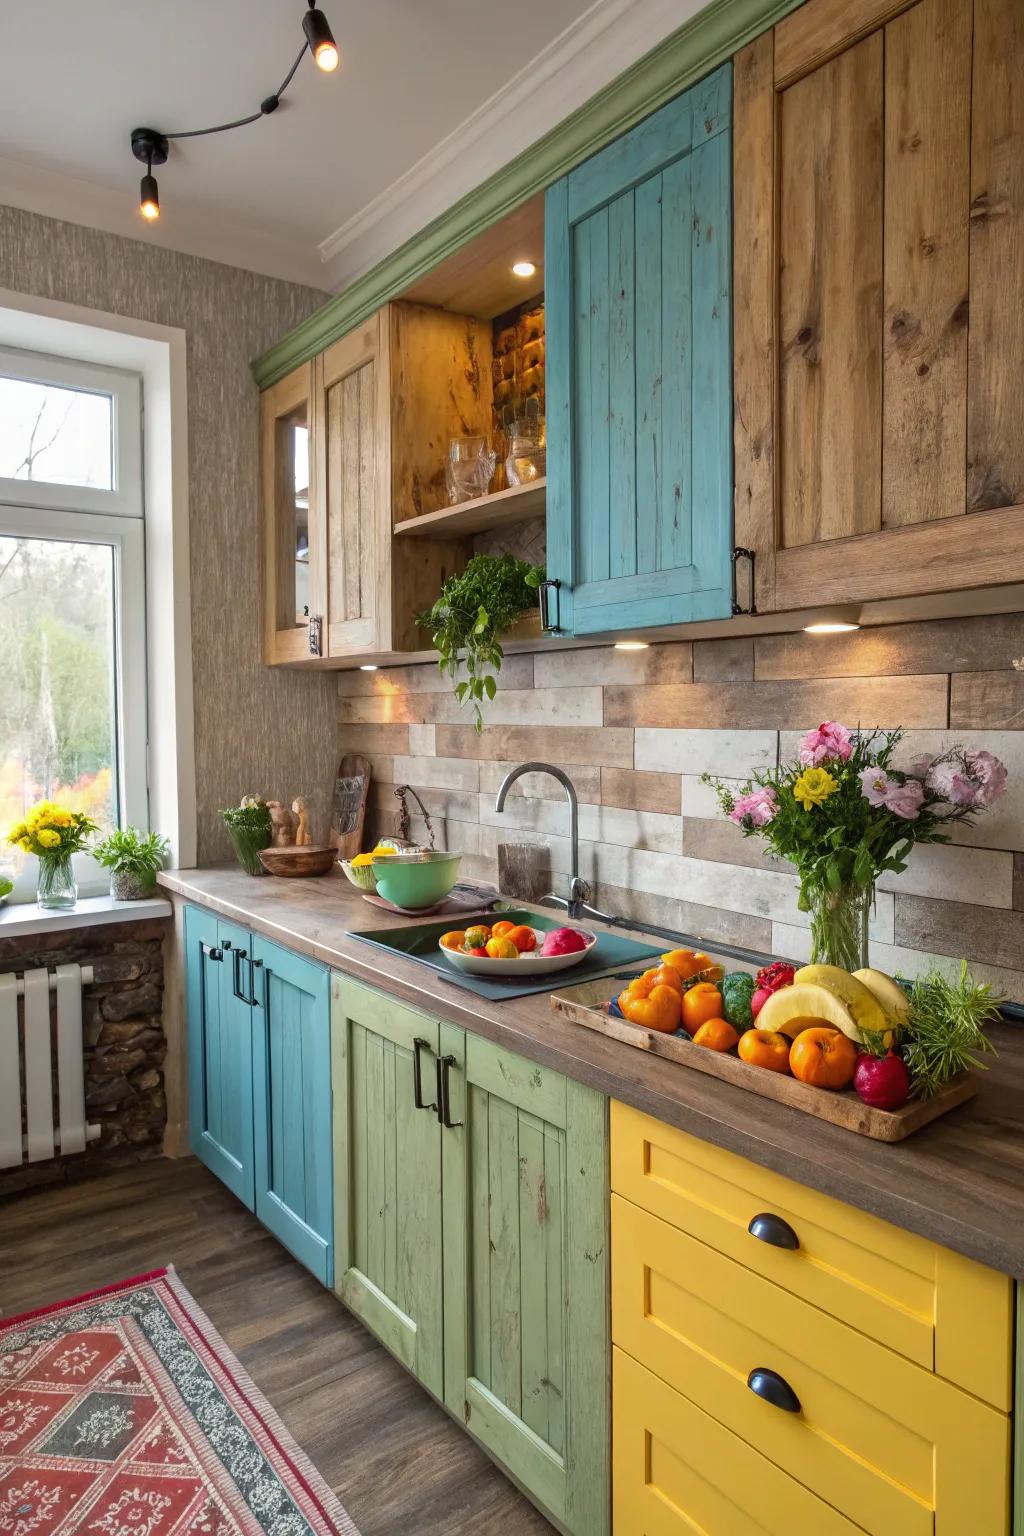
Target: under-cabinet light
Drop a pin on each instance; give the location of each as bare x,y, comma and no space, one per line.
368,666
829,628
523,268
632,645
836,619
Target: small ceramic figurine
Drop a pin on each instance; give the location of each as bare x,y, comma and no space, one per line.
283,823
301,811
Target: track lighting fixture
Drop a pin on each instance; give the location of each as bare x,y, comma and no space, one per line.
151,147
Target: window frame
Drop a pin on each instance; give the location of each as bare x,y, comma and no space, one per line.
36,509
125,391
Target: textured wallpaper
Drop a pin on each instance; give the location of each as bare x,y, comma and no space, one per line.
257,730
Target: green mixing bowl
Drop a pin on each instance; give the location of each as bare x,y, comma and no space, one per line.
416,880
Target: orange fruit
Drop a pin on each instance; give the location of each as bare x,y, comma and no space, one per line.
823,1057
666,976
500,928
680,960
454,939
764,1048
702,1002
523,937
640,986
502,948
660,1011
716,1034
477,935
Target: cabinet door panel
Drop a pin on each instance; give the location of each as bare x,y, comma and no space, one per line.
639,388
388,1175
290,1046
220,1059
525,1270
293,529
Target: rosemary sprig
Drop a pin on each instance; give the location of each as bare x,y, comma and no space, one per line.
945,1029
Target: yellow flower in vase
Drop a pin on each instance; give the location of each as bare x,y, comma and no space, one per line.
814,786
46,837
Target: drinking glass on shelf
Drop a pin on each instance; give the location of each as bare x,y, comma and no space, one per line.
470,468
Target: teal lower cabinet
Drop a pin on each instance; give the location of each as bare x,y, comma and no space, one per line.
471,1216
260,1080
219,1052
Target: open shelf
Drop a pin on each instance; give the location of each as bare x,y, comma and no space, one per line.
512,506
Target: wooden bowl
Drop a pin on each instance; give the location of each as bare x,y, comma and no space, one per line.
298,863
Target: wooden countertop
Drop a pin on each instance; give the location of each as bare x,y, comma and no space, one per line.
960,1181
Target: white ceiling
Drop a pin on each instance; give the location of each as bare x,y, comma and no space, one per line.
432,96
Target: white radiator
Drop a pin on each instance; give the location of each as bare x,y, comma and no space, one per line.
27,1127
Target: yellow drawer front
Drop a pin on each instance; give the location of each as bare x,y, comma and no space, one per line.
941,1310
900,1451
676,1472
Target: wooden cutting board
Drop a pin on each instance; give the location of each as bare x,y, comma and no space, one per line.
586,1005
348,804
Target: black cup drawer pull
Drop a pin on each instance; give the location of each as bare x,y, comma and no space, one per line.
772,1229
417,1075
774,1389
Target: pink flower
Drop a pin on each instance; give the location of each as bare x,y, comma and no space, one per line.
758,808
988,773
829,741
949,783
905,799
875,784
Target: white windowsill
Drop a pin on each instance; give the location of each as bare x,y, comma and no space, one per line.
24,917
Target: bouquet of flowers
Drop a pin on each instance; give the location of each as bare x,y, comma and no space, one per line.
844,814
53,834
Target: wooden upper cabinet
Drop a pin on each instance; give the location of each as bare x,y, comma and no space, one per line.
293,544
637,294
374,413
879,259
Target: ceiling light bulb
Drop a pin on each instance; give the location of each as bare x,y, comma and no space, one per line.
321,40
523,268
631,645
149,198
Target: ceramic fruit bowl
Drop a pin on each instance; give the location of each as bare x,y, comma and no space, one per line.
415,880
530,963
298,863
359,871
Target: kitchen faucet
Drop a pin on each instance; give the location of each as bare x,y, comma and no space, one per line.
578,904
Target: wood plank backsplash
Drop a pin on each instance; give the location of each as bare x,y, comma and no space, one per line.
635,730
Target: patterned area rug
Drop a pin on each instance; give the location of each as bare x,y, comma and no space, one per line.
123,1413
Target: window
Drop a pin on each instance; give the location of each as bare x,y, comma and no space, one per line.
72,599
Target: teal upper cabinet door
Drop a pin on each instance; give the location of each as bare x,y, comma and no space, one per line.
219,1052
291,1061
639,377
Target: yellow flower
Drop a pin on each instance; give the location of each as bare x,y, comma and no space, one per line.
25,844
47,838
59,817
17,832
814,786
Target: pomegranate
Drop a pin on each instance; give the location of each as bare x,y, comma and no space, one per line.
563,941
769,979
882,1081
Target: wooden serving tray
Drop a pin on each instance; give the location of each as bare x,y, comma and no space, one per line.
585,1005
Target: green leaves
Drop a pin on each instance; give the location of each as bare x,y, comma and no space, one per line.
473,610
945,1028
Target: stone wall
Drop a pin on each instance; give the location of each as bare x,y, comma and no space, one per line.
123,1038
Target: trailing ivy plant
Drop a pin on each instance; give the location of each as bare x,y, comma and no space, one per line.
473,611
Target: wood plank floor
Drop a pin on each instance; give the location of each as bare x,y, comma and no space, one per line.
399,1464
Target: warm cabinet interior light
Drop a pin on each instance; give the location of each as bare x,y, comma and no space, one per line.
149,198
321,40
830,627
631,645
523,268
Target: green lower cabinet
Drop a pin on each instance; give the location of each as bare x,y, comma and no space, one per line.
387,1175
477,1249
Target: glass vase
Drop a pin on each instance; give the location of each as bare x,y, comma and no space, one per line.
839,925
56,888
247,847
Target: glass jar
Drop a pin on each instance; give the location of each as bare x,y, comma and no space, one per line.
527,449
56,886
470,468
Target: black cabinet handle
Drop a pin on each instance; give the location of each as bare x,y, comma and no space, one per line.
417,1076
254,965
211,951
546,622
772,1229
774,1389
444,1092
257,965
237,956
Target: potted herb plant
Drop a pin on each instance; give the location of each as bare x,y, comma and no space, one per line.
250,828
54,834
473,611
133,858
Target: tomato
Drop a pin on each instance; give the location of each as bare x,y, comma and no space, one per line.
478,951
702,1002
764,1048
823,1057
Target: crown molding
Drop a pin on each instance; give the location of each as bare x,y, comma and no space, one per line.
609,37
709,38
184,228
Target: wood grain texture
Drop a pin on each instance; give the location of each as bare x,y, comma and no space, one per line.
561,744
944,645
285,407
352,411
754,279
989,935
987,700
959,1183
824,28
869,701
395,1458
723,661
830,299
927,180
641,791
995,402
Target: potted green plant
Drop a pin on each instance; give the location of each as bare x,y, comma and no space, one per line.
133,859
250,829
473,611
